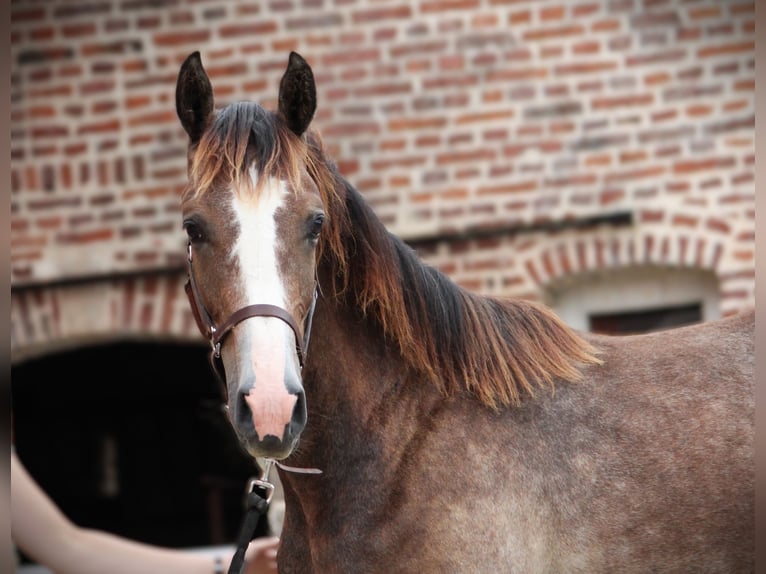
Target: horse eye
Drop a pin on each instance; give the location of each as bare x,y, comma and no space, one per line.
193,231
315,226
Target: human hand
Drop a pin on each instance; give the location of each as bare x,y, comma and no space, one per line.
261,556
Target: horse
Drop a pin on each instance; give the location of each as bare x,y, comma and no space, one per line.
454,432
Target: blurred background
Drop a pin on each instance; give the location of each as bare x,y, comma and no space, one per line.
594,155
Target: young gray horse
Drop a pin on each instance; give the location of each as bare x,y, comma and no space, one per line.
455,433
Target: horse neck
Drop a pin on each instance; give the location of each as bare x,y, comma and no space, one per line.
364,406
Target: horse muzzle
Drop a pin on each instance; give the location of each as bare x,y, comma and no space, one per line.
268,421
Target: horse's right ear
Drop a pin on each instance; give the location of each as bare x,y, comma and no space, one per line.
194,97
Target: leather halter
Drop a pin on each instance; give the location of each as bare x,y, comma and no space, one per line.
216,335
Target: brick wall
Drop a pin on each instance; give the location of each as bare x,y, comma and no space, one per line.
475,128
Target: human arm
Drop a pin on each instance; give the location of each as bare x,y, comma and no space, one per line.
43,532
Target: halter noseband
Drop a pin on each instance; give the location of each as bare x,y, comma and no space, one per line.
216,335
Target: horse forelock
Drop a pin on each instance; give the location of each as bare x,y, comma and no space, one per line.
243,137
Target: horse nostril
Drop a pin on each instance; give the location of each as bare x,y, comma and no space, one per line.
299,418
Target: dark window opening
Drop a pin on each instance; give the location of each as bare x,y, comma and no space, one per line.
644,321
132,439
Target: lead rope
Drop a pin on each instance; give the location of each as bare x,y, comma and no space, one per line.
256,506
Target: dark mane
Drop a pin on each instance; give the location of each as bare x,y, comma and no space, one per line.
495,349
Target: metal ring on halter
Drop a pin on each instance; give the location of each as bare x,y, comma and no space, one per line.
263,481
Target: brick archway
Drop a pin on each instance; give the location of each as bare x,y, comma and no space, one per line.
557,257
47,318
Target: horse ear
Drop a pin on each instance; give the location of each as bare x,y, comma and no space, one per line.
297,94
194,97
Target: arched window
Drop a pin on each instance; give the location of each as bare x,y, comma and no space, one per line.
635,299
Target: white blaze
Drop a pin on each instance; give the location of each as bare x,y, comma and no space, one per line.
256,248
270,339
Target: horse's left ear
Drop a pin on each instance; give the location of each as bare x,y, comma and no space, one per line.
297,94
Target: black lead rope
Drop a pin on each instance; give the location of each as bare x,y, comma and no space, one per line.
255,507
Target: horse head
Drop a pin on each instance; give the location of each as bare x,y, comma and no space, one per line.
253,213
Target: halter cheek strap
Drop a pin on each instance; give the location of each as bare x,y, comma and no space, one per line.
216,335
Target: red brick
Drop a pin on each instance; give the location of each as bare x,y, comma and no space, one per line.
745,85
233,69
584,9
314,21
446,5
99,127
552,13
97,86
632,156
609,196
698,110
573,180
481,21
743,254
42,34
171,39
455,157
492,116
606,26
586,47
378,14
656,78
27,241
691,166
726,49
716,224
622,101
384,89
520,17
401,161
103,107
657,57
548,264
247,29
687,34
79,29
451,62
154,118
664,115
742,8
27,14
504,189
552,51
705,12
416,123
651,216
39,112
685,221
585,67
633,174
455,193
19,225
553,33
